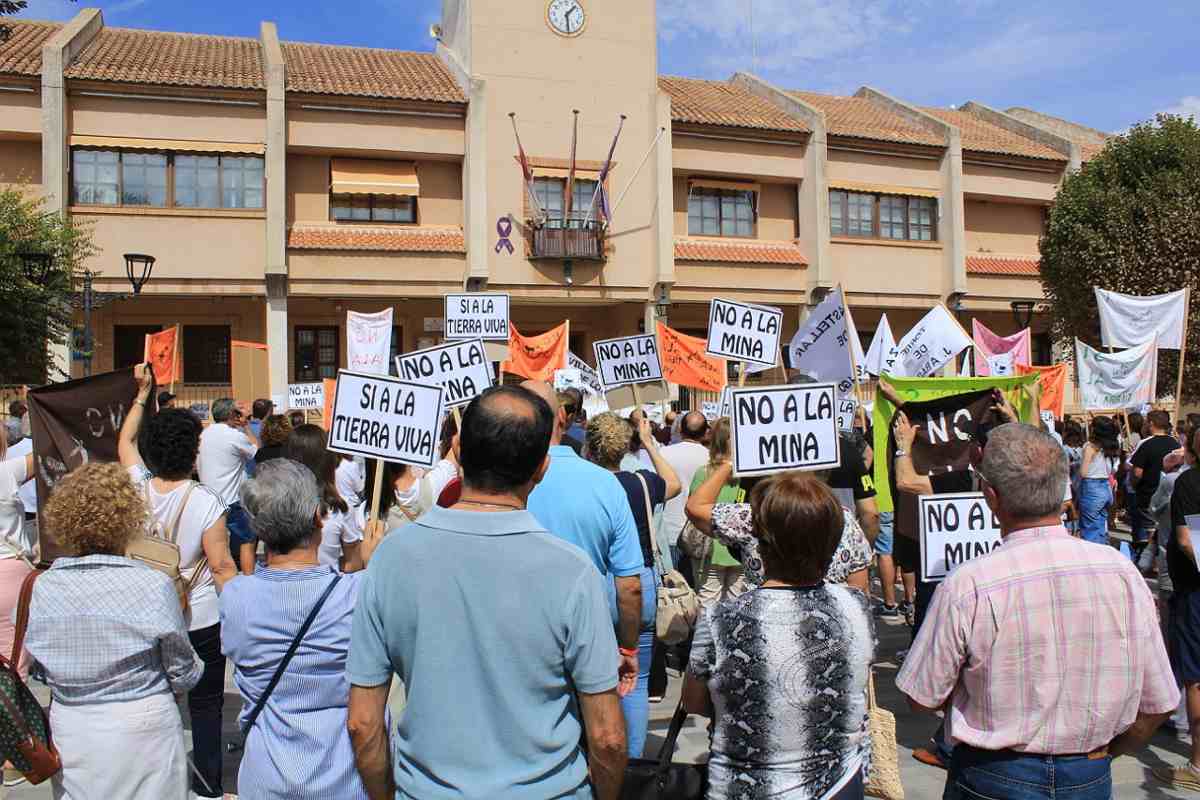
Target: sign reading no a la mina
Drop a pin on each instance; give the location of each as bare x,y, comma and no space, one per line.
477,315
781,428
954,528
627,360
461,368
378,416
742,332
307,396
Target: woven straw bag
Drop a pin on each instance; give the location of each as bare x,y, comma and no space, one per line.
885,757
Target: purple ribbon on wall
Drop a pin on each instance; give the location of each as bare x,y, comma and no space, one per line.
504,229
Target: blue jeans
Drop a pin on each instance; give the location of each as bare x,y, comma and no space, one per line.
1006,775
636,705
238,525
1095,498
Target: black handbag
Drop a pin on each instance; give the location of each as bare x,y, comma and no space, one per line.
660,779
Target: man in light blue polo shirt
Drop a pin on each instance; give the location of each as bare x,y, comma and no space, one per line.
500,632
585,505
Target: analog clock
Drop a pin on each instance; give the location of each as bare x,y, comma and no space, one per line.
566,17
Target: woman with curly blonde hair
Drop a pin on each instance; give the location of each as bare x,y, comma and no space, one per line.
275,431
608,438
107,634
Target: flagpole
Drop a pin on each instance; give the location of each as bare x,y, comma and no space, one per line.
1187,299
568,201
641,164
525,172
604,171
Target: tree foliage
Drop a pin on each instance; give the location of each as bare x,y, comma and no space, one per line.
1129,221
35,314
9,7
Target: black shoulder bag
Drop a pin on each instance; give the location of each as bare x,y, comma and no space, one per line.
660,779
291,651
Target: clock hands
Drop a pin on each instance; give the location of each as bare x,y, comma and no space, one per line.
567,17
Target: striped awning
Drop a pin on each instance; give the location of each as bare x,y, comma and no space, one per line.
883,188
371,176
171,145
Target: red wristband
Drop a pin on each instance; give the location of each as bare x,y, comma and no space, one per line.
627,651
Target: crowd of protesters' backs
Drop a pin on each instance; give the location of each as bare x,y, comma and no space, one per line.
493,631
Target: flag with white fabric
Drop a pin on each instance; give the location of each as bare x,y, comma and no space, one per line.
1128,320
824,346
369,341
882,343
1007,351
1125,379
930,345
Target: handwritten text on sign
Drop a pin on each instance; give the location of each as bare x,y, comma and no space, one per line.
477,316
461,368
307,396
742,332
628,360
784,427
383,417
954,528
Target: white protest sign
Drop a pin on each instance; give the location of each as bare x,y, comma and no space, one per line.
954,528
378,416
846,406
711,409
1125,379
368,341
1047,419
726,402
780,428
882,343
925,349
1001,365
743,332
477,316
824,345
1127,320
461,368
590,379
627,360
306,396
569,378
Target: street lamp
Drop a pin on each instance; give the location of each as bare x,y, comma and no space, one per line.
37,267
135,264
1022,312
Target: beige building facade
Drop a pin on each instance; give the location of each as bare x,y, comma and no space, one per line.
280,184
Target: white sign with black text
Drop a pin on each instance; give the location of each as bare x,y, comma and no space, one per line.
477,316
711,410
954,528
627,360
378,416
781,428
306,396
590,379
743,332
726,403
846,407
461,368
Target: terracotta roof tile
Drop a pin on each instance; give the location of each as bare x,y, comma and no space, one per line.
719,103
1088,151
996,265
984,137
366,72
383,239
22,53
172,59
860,118
747,251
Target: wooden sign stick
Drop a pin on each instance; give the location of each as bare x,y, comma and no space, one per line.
741,374
376,490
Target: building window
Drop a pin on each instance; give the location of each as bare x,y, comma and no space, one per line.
206,354
162,180
129,344
551,195
316,353
372,208
721,212
882,216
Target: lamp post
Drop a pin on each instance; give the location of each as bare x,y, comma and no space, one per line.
1022,312
138,267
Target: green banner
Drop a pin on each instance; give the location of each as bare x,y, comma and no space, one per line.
1020,390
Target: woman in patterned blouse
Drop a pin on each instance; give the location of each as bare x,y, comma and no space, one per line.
782,670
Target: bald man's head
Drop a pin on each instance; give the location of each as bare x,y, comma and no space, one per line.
694,426
547,393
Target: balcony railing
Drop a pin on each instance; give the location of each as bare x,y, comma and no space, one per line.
577,241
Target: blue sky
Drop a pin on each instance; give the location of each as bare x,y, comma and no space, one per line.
1098,62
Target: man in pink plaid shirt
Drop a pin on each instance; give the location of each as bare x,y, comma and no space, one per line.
1045,654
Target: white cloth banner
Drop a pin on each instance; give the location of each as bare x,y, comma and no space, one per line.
368,341
822,346
1127,320
882,343
1124,379
1001,365
933,342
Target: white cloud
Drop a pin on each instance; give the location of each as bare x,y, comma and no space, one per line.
1187,107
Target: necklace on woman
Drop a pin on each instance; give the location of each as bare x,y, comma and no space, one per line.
510,506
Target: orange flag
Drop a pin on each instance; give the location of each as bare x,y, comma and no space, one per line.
685,363
161,354
1053,380
536,357
327,412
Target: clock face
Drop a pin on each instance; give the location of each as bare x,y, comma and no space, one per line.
566,17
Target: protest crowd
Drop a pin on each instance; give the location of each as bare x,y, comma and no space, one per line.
483,596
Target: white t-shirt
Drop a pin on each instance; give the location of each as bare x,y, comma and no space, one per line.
12,511
28,490
685,458
341,527
202,511
224,452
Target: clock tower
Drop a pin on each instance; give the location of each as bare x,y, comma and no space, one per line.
540,60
